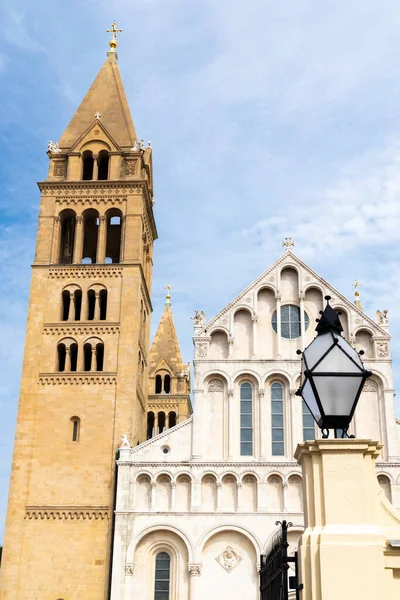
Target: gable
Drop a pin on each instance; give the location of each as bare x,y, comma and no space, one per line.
98,137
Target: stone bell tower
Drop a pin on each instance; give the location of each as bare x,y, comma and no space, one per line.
85,371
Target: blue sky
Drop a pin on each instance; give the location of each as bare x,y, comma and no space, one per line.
267,120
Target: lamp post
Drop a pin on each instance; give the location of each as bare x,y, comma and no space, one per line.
333,375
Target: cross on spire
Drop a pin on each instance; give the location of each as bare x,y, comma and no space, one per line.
168,287
357,301
288,243
114,31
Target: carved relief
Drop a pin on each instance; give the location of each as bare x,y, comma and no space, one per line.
216,385
59,168
382,349
130,167
194,570
201,350
228,559
370,386
129,568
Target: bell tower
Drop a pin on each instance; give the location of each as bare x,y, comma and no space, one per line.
85,371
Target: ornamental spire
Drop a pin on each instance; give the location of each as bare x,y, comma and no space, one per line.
114,31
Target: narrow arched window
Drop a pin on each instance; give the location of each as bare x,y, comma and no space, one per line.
167,384
67,219
75,427
103,162
87,357
308,423
87,167
158,384
277,424
113,232
161,422
91,304
246,419
66,301
103,304
90,235
61,356
99,356
150,424
162,576
172,419
78,304
73,351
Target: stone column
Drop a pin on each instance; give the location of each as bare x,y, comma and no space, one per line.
230,423
278,324
342,550
239,495
55,250
155,423
255,339
219,486
166,420
262,424
194,581
78,242
231,341
173,495
97,306
153,496
67,367
71,309
285,496
95,167
302,321
93,363
101,240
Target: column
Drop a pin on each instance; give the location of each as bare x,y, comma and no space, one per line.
230,423
197,428
71,310
56,240
230,346
166,420
302,321
101,240
156,423
173,495
67,367
194,581
84,307
153,496
239,495
255,344
97,306
278,324
285,496
262,423
219,486
121,250
93,365
95,167
78,242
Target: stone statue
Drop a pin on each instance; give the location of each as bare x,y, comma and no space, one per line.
382,317
53,147
125,442
199,318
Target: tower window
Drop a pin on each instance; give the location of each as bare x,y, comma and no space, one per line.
162,576
88,162
161,422
78,304
290,322
308,423
103,304
90,235
87,357
73,351
103,162
91,304
66,301
158,384
171,419
75,426
246,419
99,356
167,384
150,424
61,354
67,237
278,432
113,243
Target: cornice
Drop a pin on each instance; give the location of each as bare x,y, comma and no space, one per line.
160,436
78,327
213,464
76,378
82,271
67,512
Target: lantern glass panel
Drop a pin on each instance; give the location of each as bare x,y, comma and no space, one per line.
317,349
349,350
336,361
309,398
337,394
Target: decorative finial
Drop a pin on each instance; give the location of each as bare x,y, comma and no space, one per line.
97,115
168,287
114,31
288,243
357,301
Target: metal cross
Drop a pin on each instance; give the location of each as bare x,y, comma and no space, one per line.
288,243
169,287
97,115
114,30
356,285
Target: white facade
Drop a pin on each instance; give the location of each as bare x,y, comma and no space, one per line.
209,491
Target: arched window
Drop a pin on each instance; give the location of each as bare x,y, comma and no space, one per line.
158,384
167,384
161,422
67,356
103,304
99,356
162,576
87,357
150,424
67,224
103,161
172,419
88,162
308,424
66,301
278,432
78,304
61,355
73,352
113,244
246,419
91,304
75,428
90,235
290,322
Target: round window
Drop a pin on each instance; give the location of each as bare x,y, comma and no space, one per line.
290,322
165,449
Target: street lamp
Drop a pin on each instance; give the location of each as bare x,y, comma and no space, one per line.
333,375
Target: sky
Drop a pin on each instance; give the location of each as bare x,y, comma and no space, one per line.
267,119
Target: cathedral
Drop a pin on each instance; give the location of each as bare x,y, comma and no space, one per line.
132,478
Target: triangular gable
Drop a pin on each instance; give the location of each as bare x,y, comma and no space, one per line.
161,365
290,258
90,136
157,438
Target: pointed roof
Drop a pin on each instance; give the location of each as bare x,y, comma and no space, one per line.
165,347
106,96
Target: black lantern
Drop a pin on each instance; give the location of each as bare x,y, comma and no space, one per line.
333,375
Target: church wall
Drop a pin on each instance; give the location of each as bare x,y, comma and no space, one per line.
243,334
266,338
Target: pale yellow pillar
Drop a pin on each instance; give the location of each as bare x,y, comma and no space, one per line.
78,244
101,241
